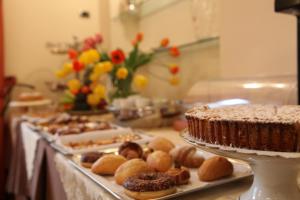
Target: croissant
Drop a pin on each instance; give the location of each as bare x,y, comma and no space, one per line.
186,156
131,150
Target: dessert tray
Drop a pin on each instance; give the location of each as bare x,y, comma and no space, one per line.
275,173
241,170
53,137
98,140
41,102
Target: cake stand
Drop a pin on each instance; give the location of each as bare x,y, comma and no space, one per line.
275,173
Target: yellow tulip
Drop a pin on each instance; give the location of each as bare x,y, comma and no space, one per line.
94,76
122,73
140,81
174,80
99,90
74,84
93,99
68,67
60,74
94,55
99,68
89,57
108,66
83,58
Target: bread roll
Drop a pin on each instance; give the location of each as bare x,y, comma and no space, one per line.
108,164
215,168
161,144
160,161
131,168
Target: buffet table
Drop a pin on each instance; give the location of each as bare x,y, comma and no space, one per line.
37,171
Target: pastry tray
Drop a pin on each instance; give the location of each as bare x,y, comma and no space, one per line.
52,137
105,134
47,136
241,171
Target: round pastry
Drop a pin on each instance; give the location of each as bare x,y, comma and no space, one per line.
181,175
162,144
88,159
149,185
131,168
108,164
147,153
131,150
186,156
160,161
215,168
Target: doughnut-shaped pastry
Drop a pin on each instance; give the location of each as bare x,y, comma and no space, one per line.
149,185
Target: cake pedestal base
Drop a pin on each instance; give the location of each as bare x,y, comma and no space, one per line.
273,180
275,173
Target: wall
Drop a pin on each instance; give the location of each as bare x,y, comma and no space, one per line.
256,41
180,22
30,24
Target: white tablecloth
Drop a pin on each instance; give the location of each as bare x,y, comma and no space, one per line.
30,140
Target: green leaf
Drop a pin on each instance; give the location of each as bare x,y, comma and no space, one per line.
142,60
129,62
86,75
104,57
66,100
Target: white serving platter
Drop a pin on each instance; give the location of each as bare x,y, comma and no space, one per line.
41,102
60,143
54,137
241,170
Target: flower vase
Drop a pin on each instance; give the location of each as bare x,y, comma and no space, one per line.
123,88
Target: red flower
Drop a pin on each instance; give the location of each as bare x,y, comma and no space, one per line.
75,92
77,66
68,106
134,42
174,51
117,56
98,38
72,54
85,90
139,37
164,42
174,69
90,42
86,47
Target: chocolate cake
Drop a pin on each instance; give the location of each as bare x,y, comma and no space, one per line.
257,127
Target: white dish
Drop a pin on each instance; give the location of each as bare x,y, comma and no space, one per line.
41,102
61,143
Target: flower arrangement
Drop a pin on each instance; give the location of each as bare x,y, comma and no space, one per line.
92,67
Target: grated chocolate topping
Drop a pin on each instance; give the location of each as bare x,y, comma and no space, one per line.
149,182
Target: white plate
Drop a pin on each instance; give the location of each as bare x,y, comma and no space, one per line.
60,143
41,102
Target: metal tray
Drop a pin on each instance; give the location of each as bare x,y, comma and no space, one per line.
47,136
241,171
65,150
53,137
